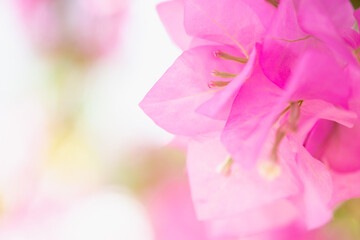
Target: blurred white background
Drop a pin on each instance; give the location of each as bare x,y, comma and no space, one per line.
113,121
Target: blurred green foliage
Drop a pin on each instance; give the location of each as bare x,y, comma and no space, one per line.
355,3
346,221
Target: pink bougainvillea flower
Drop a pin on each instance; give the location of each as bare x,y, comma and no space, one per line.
180,222
276,135
252,116
334,143
216,188
206,71
219,195
313,194
303,189
226,192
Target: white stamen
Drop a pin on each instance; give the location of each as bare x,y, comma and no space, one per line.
269,170
224,168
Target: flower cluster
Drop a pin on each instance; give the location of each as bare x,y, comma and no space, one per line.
267,93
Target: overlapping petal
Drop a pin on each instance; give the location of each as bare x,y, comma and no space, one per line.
283,44
172,102
336,15
232,22
254,111
218,196
172,16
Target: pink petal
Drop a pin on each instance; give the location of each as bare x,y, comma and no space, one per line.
332,139
218,196
318,76
172,16
336,15
345,187
283,44
253,113
214,108
314,110
172,101
231,22
260,101
352,38
343,148
317,189
269,217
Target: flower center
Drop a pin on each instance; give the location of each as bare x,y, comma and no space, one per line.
269,168
290,125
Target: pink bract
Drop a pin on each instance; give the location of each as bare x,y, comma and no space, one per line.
293,102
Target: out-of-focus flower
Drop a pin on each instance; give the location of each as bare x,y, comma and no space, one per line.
100,215
82,28
22,143
172,213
